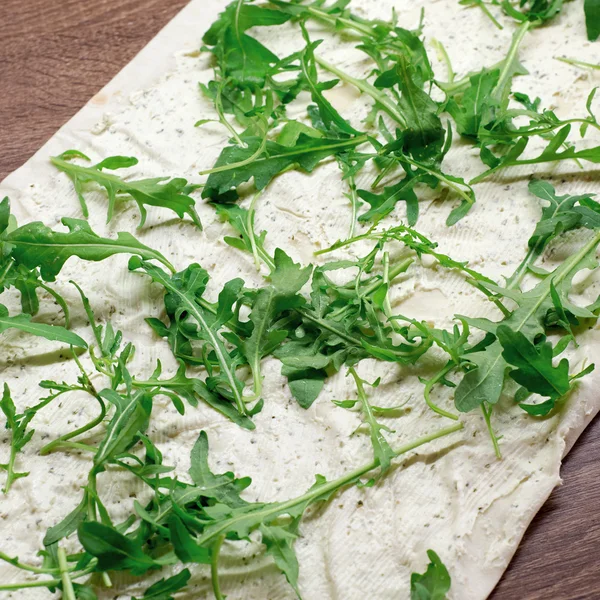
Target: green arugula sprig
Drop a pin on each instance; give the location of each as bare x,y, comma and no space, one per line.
173,194
20,435
34,254
434,584
195,519
480,107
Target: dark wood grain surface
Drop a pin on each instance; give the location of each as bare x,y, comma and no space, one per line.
55,56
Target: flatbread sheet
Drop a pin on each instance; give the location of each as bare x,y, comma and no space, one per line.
453,496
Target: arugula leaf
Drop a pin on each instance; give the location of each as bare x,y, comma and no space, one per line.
470,111
241,57
534,371
551,153
536,11
192,388
559,216
36,245
592,18
50,332
158,191
233,167
223,488
183,544
131,417
236,520
20,436
331,119
242,221
423,135
287,279
12,274
114,551
381,448
484,382
382,204
69,524
434,584
164,588
279,541
190,316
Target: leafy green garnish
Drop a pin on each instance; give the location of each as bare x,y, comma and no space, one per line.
20,435
484,382
240,56
592,18
233,167
50,332
164,588
381,448
434,584
158,191
35,245
287,278
192,320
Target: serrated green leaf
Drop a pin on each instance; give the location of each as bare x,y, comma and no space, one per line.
164,588
434,584
114,551
158,191
36,245
53,333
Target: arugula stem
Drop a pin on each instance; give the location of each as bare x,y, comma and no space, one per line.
505,72
214,568
440,177
532,254
60,441
577,63
25,567
223,119
59,301
10,470
348,23
382,174
362,396
429,386
242,163
238,10
354,204
381,98
49,582
489,15
322,490
387,308
443,55
250,226
4,273
216,344
487,415
68,593
30,584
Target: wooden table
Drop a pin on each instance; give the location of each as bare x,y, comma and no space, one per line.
54,56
